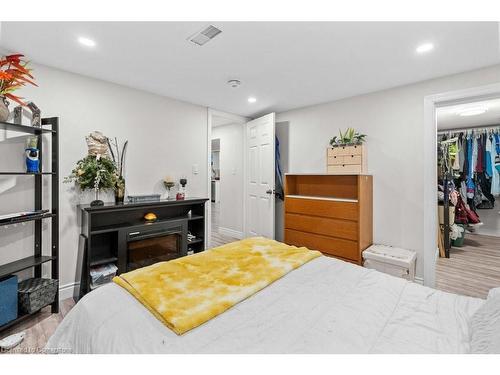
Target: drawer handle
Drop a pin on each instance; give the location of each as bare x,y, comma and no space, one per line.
343,165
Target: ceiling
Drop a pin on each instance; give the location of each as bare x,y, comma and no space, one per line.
449,117
284,65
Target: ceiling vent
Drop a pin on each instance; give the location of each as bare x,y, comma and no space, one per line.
205,35
234,83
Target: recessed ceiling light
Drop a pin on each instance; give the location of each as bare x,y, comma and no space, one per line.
425,47
86,42
471,111
252,99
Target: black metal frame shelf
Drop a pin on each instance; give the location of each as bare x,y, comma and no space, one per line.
24,219
27,129
23,264
37,259
26,173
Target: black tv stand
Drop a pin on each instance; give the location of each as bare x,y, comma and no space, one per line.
108,230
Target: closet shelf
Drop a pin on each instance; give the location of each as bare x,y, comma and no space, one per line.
322,198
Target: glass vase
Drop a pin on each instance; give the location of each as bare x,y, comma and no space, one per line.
120,191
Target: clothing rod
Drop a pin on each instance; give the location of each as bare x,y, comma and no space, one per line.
480,127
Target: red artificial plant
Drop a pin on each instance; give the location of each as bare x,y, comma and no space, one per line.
14,74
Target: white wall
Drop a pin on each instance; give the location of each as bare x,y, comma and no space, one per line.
166,137
393,120
231,178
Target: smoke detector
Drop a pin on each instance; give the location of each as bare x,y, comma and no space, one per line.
234,83
205,35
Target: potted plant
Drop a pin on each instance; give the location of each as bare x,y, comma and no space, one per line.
95,171
349,138
14,74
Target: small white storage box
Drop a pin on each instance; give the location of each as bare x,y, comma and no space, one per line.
391,260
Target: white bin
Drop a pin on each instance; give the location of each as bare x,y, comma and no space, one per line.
391,260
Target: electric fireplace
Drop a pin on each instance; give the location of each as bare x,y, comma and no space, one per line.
147,245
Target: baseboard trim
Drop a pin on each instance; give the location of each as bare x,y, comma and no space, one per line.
67,291
419,280
231,233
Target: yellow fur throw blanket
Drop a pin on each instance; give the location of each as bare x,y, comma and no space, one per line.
188,291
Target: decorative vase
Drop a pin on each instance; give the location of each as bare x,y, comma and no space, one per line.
120,190
97,201
4,109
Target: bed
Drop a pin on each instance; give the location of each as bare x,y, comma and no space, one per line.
324,306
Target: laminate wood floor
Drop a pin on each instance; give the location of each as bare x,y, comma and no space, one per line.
471,270
217,239
38,329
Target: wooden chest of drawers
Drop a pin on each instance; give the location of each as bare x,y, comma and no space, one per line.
329,213
346,160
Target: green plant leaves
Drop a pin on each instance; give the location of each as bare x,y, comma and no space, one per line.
91,172
349,137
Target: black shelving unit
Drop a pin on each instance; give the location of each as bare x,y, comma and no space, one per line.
49,126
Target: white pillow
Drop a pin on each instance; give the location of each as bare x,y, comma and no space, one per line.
485,326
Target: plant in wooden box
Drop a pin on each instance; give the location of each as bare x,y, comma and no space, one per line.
14,74
119,159
349,138
96,171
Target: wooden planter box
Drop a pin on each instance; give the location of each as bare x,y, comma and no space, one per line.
346,160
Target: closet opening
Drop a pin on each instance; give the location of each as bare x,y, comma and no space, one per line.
468,194
225,177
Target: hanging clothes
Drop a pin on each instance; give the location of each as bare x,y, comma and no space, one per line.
461,153
495,178
497,147
473,160
279,191
470,167
487,158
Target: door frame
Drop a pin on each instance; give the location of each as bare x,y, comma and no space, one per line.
208,209
431,102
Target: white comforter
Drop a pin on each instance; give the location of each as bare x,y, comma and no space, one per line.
325,306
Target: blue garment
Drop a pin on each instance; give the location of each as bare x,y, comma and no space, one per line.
488,168
279,174
497,145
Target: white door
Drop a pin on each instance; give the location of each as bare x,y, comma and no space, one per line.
259,177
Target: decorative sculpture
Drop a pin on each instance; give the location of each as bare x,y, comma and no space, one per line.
32,155
36,115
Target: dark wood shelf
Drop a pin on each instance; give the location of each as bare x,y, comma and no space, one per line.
25,173
99,262
26,218
23,264
114,228
196,240
24,128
